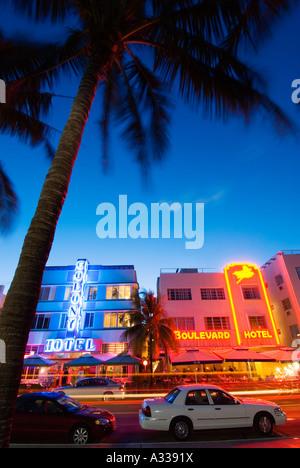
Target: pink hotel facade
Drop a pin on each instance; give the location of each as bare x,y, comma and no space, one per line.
243,305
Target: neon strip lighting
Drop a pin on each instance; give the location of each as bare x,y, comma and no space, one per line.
232,305
269,307
265,297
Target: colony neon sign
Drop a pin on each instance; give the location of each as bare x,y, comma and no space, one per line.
75,310
72,342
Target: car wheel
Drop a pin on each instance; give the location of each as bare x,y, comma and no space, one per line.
264,423
181,428
80,435
108,396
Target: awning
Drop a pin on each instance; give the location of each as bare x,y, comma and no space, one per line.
241,354
37,361
85,360
285,354
123,360
195,356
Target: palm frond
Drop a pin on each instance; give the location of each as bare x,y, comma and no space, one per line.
155,103
129,116
209,76
56,10
8,202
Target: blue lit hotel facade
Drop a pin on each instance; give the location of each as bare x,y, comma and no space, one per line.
82,308
85,308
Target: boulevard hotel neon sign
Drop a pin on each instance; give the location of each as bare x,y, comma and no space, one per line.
236,275
73,342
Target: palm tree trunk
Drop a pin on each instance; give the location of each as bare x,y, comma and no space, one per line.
22,298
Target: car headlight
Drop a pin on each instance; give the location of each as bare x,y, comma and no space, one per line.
278,411
102,422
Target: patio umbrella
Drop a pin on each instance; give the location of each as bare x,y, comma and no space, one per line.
37,361
85,360
285,354
195,356
123,360
241,354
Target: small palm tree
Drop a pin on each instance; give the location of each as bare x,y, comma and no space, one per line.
136,52
151,328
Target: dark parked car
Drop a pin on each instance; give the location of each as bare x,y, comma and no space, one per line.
50,417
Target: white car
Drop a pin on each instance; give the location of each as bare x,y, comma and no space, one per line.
94,387
201,407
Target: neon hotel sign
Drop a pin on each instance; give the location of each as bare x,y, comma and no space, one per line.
73,342
235,274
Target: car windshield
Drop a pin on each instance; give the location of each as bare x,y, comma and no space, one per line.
69,404
172,395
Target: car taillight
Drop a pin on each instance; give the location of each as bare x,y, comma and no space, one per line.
147,411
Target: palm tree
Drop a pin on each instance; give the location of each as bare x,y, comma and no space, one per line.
138,51
150,328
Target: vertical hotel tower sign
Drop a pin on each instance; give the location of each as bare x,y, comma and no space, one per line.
73,341
76,302
249,278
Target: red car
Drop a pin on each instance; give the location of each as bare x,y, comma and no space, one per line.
50,417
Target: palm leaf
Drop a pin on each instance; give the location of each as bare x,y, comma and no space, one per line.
8,202
57,10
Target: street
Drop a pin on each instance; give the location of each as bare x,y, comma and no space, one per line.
129,435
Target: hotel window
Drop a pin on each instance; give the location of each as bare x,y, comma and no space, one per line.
63,321
298,272
41,322
179,294
115,348
92,296
294,329
89,320
47,293
217,323
257,322
185,323
251,293
286,303
118,292
116,320
213,294
279,280
68,292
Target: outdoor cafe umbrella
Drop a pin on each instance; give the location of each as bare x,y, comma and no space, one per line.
195,356
123,360
86,360
36,360
241,354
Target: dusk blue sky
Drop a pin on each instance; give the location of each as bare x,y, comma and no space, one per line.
247,176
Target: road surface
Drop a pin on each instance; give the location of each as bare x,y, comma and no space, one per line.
129,435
